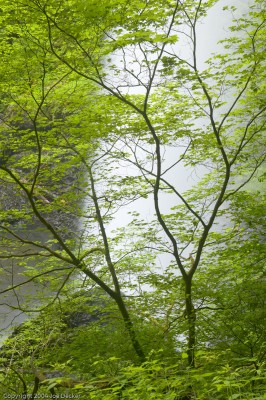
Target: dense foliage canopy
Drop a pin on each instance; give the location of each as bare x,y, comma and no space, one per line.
131,221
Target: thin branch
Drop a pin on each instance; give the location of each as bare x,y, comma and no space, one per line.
34,277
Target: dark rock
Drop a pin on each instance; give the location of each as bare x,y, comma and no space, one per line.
76,319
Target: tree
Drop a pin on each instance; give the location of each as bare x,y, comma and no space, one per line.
155,110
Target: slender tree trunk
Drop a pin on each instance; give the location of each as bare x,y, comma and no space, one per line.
116,294
191,318
36,387
130,328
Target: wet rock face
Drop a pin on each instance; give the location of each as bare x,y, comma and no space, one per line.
14,203
72,320
77,319
57,197
53,374
10,200
56,193
18,223
93,311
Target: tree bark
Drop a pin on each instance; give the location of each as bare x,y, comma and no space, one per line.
191,318
130,328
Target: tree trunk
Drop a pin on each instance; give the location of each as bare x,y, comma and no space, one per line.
191,318
116,294
130,328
